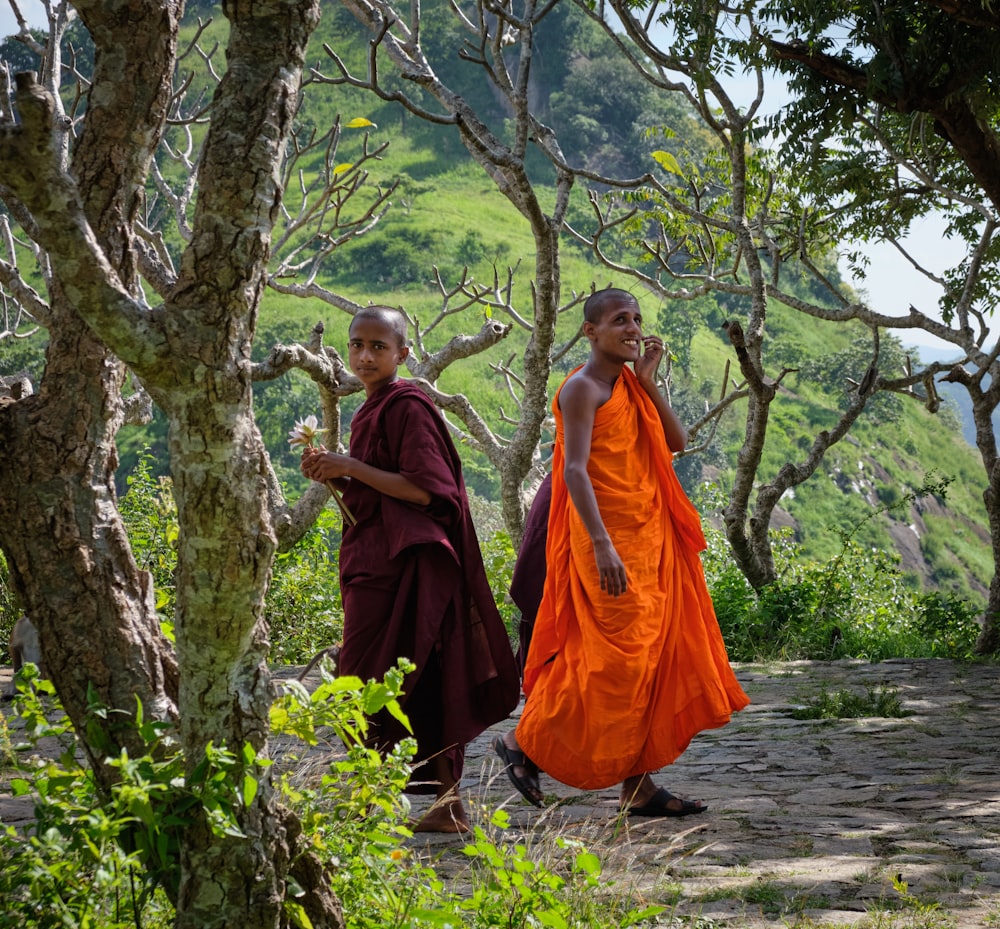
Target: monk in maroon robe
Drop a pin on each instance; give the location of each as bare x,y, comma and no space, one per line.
412,576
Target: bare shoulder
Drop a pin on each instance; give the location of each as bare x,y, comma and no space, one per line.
581,394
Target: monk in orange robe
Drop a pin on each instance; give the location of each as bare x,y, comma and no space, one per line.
626,662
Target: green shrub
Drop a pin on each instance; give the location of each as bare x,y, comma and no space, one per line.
949,624
358,817
10,609
857,606
303,605
889,494
100,862
499,557
150,516
390,260
81,863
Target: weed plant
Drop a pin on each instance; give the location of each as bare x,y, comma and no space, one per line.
10,609
303,605
150,516
7,754
877,702
906,911
78,864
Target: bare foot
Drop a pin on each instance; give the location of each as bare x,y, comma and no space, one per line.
446,815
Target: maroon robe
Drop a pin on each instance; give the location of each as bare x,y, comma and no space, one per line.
414,585
528,580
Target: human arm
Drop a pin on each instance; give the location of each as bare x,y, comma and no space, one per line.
320,464
578,400
645,370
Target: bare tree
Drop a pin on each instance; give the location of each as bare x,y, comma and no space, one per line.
501,44
718,224
319,214
909,94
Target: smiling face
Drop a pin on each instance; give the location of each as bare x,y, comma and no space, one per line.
375,350
614,328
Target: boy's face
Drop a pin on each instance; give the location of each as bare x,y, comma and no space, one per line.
374,352
617,333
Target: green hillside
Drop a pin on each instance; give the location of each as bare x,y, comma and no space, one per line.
889,454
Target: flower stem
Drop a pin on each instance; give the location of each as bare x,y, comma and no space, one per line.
345,512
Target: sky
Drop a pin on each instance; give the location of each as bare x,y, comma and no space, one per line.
892,284
32,10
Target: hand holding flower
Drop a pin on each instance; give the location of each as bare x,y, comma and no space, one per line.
319,464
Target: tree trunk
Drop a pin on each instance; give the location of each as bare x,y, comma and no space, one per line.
61,532
59,527
984,403
66,547
751,549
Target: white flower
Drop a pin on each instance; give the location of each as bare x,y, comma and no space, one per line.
305,432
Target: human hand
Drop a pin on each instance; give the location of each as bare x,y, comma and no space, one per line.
610,568
647,363
308,460
320,464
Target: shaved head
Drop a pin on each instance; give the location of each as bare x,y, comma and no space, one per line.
599,302
388,315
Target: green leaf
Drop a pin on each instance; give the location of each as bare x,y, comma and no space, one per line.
589,863
396,711
297,915
249,789
668,162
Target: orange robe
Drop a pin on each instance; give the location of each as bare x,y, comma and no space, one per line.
617,686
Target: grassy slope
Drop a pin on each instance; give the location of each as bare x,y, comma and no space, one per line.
843,493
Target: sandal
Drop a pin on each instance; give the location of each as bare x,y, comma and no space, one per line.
527,786
659,805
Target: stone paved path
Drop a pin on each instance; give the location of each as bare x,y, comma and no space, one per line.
809,821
